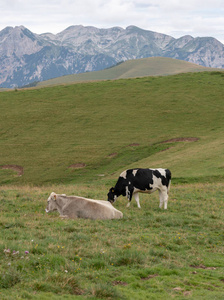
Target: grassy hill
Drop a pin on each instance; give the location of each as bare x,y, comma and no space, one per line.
108,126
76,139
152,66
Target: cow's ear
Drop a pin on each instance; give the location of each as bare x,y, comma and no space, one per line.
112,190
55,196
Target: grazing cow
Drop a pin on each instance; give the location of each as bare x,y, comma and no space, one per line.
78,207
133,181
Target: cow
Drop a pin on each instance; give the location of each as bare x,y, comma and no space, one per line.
133,181
79,207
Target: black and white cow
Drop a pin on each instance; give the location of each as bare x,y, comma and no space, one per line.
133,181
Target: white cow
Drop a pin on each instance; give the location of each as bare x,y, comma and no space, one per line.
78,207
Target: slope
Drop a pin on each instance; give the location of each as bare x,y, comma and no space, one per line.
75,133
154,66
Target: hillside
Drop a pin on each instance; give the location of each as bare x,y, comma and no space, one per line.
27,57
92,131
153,66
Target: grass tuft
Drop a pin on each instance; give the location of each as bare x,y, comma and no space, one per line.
9,279
105,291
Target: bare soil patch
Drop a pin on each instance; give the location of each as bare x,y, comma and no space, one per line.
203,267
117,282
182,139
133,145
113,154
15,168
178,289
166,149
77,166
185,293
149,277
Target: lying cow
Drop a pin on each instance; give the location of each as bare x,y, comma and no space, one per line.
133,181
78,207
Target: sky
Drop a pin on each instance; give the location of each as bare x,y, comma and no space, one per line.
198,18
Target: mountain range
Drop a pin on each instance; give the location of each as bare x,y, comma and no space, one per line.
26,57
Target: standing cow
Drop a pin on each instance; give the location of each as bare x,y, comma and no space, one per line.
133,181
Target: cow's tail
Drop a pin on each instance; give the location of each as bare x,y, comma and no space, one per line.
168,176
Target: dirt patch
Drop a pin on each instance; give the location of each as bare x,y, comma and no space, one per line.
77,166
149,277
166,149
203,267
185,293
182,139
117,282
178,289
15,168
113,154
133,145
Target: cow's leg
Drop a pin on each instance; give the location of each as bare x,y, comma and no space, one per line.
163,198
64,216
160,199
136,195
129,193
128,204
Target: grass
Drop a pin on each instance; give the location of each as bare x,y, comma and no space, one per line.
149,254
112,125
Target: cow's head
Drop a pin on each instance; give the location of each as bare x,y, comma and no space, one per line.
111,195
51,202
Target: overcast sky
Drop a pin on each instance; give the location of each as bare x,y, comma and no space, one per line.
172,17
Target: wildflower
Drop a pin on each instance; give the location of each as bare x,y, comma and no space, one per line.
7,251
26,252
66,271
9,264
15,252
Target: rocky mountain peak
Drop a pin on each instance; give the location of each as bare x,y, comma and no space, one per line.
18,41
27,57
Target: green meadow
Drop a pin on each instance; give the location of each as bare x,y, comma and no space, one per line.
76,139
111,125
149,254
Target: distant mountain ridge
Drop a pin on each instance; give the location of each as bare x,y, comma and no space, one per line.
26,57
